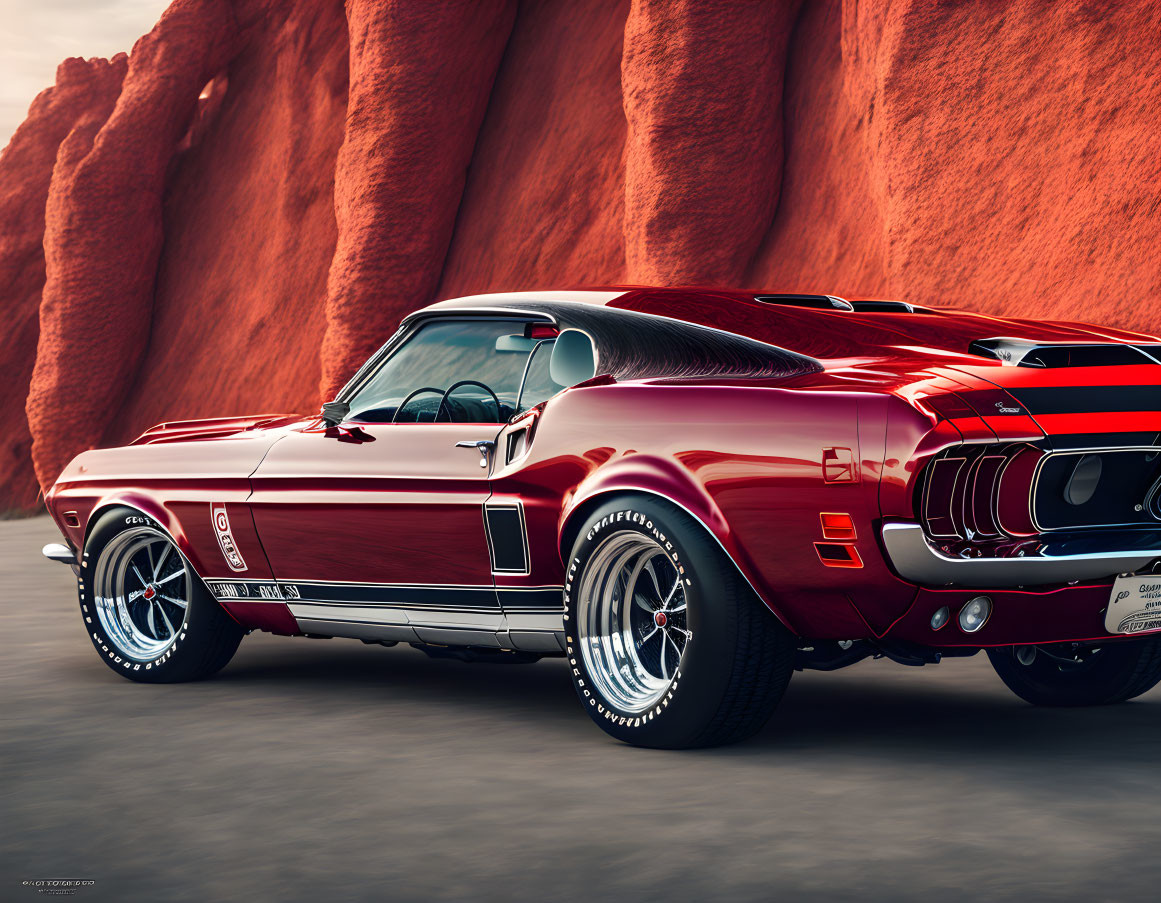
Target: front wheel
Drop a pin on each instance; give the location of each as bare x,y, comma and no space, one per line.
148,614
1076,675
668,646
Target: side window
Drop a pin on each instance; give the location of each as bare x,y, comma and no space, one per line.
538,384
462,371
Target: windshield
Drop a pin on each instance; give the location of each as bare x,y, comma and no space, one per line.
483,362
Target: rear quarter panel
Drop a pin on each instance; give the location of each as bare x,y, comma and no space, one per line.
744,458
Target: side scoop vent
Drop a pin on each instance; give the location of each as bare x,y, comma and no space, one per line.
1024,353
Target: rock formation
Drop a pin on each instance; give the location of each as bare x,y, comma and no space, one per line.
277,183
420,79
75,108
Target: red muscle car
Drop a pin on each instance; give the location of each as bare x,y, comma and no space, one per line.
686,493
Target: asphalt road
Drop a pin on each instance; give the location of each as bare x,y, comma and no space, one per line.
328,770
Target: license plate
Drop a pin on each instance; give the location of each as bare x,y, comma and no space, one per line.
1134,605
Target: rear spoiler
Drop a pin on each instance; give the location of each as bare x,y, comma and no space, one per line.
1046,355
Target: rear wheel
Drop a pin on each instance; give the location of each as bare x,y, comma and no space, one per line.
147,613
1077,675
667,644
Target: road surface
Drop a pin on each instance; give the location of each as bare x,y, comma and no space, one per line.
326,770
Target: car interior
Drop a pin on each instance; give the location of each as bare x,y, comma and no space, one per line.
473,371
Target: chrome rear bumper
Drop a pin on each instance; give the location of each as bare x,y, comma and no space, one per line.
915,559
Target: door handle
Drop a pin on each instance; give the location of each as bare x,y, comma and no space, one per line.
483,446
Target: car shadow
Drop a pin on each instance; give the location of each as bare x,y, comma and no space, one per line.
361,674
980,722
857,710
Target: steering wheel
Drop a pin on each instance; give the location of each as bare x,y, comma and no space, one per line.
466,382
403,404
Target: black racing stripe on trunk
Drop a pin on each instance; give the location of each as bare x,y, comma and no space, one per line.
1088,399
1060,442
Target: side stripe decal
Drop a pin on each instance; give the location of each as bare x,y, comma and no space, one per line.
434,598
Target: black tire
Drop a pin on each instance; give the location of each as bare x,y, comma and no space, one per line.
1116,672
201,645
736,660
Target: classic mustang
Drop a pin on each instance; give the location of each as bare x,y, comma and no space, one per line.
686,493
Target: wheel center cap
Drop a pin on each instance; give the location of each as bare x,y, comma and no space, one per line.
150,592
660,618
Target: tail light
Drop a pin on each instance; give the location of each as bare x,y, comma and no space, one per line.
979,492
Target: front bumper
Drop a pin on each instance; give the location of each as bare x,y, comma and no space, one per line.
1063,560
56,551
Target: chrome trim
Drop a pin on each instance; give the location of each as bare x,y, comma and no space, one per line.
503,312
56,551
524,375
536,621
535,629
915,559
526,631
993,494
384,614
927,493
1011,452
483,446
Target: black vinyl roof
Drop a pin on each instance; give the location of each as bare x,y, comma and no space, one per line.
633,345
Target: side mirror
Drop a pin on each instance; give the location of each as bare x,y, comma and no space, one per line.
335,412
574,358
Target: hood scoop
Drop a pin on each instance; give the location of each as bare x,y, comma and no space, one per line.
834,302
1052,356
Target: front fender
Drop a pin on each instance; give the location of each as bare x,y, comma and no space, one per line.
146,505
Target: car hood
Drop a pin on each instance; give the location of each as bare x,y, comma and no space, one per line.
211,428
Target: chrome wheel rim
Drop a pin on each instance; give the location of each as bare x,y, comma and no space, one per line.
141,590
631,621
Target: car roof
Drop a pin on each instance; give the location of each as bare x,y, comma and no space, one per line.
803,323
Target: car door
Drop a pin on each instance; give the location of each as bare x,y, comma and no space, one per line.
378,522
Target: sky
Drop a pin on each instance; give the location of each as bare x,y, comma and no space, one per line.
35,35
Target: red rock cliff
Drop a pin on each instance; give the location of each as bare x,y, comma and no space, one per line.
244,219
